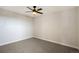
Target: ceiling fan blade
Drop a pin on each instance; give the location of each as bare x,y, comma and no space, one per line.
29,8
40,12
39,9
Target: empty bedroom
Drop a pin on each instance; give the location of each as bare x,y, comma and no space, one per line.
39,29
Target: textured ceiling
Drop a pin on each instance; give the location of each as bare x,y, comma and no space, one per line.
23,9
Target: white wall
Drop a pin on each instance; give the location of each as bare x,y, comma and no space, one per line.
59,27
78,25
14,27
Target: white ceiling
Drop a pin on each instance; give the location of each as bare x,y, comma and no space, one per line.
23,9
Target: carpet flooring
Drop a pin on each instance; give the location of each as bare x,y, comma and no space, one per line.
34,45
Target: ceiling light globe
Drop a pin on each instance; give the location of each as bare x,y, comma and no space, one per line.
34,13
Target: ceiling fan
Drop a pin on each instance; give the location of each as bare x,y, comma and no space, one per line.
34,10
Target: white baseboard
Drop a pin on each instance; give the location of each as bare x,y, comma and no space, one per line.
58,43
9,42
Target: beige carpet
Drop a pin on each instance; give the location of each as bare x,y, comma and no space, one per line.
34,45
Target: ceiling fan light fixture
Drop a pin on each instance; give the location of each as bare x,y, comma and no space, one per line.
34,13
35,10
